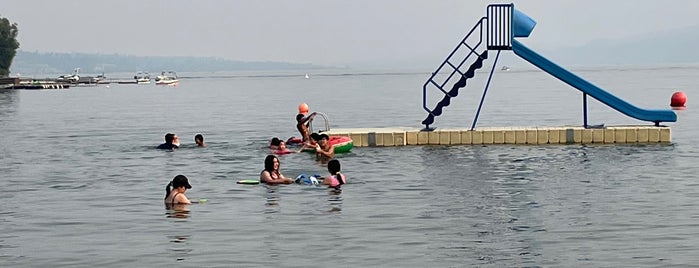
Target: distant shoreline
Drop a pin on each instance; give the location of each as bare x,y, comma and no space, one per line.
51,65
60,63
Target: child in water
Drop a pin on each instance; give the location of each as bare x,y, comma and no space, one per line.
274,143
336,179
199,140
282,149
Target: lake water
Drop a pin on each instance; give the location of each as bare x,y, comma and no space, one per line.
83,186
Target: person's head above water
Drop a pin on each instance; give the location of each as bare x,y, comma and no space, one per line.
171,142
303,108
169,137
179,181
336,180
282,145
334,166
174,191
275,141
199,140
315,136
270,163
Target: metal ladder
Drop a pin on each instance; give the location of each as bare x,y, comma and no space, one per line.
498,37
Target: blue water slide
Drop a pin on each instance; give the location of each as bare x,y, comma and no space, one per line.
590,89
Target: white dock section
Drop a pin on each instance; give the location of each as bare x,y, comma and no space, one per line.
401,136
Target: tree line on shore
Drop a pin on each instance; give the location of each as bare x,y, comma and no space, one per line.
8,45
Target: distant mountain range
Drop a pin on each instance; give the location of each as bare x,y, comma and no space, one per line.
52,63
671,47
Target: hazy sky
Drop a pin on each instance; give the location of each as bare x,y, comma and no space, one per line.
325,32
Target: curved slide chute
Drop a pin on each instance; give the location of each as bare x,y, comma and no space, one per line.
588,88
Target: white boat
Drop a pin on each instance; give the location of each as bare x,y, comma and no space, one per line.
169,78
73,78
505,68
142,78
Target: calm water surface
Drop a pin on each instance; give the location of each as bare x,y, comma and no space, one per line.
83,186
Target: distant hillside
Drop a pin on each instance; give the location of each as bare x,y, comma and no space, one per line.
677,46
36,62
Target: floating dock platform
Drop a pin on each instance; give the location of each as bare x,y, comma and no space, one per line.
379,137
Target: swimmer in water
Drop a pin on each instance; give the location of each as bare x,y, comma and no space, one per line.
274,143
324,151
199,140
271,174
171,142
336,179
174,191
282,149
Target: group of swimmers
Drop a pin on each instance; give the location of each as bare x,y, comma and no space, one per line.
271,175
318,142
309,141
172,141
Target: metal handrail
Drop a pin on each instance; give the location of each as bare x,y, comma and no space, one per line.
498,35
327,123
472,51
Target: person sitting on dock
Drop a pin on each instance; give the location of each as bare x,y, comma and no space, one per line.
171,142
199,140
324,151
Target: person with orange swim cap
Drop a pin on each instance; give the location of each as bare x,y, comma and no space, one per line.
303,122
303,108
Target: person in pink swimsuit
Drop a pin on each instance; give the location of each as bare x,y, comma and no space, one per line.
336,179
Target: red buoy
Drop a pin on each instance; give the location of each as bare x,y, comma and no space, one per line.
678,100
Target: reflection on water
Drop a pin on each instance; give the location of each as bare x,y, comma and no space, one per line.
180,211
335,200
180,243
272,199
8,103
180,246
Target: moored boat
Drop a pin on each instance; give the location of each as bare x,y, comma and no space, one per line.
169,78
142,78
72,78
